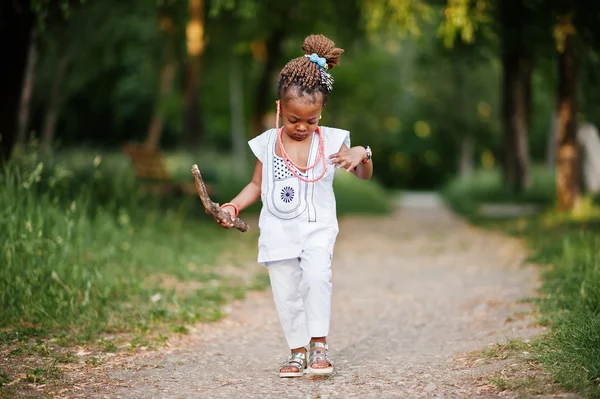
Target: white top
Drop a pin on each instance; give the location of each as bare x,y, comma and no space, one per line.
296,215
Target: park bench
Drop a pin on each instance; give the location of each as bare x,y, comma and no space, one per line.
150,170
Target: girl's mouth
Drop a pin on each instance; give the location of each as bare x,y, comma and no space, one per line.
300,136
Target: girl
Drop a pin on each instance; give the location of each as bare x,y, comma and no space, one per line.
293,177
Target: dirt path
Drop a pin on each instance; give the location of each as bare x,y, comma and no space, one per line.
413,292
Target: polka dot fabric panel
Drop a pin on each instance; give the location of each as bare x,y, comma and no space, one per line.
281,170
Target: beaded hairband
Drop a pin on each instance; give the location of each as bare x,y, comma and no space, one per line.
326,78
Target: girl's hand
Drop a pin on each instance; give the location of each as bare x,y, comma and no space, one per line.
348,158
227,224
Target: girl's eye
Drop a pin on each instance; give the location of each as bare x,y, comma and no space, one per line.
292,121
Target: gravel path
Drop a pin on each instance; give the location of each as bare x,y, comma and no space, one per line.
413,293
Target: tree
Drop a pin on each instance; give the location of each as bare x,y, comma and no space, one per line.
55,97
16,22
194,127
27,90
166,22
517,67
567,168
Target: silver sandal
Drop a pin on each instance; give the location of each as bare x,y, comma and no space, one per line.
297,360
319,355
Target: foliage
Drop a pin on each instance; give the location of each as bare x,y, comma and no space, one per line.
59,11
398,89
465,194
464,18
402,17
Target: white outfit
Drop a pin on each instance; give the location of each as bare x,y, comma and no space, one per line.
298,228
302,294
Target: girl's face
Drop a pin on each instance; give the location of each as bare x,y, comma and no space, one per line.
300,117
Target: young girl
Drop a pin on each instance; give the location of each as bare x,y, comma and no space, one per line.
293,177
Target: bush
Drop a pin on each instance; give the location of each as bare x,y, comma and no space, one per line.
356,196
487,186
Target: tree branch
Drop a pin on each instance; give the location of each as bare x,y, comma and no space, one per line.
213,208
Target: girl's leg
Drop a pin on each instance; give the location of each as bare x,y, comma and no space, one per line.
286,279
316,288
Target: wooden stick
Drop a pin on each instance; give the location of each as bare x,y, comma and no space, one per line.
212,208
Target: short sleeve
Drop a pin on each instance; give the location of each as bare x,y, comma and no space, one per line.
336,138
258,145
347,138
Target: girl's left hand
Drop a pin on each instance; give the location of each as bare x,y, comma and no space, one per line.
348,158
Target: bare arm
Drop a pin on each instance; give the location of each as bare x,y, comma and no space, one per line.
248,196
251,193
351,160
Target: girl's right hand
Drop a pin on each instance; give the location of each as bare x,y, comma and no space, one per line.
231,211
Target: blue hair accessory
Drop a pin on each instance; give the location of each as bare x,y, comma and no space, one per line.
326,78
320,61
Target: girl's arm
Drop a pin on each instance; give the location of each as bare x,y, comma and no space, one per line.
248,196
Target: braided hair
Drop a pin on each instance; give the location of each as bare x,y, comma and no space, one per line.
304,77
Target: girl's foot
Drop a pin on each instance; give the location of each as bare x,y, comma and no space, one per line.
295,365
318,360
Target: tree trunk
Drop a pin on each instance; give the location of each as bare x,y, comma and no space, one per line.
521,124
567,168
551,141
467,149
467,145
53,109
236,101
515,114
195,43
26,92
516,96
167,77
16,22
274,48
508,85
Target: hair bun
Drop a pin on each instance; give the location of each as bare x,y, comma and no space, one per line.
324,47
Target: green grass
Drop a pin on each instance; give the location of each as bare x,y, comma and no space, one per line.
568,249
79,253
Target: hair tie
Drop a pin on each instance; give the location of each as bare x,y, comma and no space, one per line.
326,78
320,61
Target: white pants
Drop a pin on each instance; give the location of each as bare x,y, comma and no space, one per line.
302,294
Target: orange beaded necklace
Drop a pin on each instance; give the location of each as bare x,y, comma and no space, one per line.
291,165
